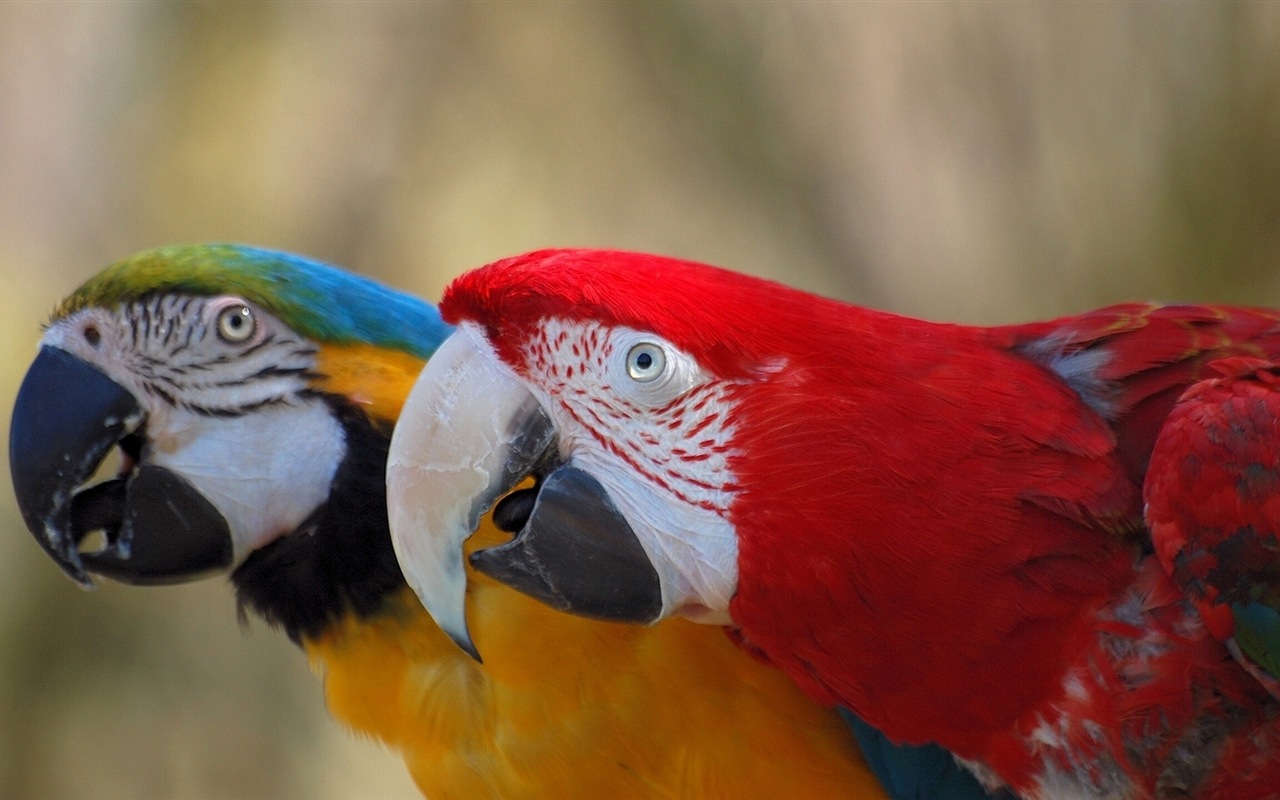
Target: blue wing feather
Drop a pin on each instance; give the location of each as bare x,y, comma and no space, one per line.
909,772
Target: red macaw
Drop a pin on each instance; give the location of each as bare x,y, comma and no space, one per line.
938,526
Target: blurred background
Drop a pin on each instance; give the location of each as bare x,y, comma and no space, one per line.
971,162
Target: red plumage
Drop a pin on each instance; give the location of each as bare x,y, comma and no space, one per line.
1213,506
941,526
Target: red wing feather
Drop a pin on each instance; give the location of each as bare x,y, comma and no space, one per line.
1213,507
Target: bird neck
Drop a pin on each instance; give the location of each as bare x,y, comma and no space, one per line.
340,559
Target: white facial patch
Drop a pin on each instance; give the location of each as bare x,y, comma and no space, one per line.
693,548
265,471
659,443
224,390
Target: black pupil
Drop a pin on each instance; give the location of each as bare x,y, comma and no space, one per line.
236,320
644,361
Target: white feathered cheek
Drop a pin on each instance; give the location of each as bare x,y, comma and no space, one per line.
221,444
657,436
266,472
625,436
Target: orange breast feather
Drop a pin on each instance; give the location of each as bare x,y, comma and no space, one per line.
570,708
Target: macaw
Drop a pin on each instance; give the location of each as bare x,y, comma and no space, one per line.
251,395
940,527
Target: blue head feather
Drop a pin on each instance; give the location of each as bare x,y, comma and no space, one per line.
318,300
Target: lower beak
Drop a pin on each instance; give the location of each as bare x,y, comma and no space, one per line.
158,528
469,433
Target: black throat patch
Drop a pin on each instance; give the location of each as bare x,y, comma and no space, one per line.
340,559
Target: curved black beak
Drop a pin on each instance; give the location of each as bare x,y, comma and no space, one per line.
157,527
576,552
468,434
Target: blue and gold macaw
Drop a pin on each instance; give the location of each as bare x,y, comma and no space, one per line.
251,395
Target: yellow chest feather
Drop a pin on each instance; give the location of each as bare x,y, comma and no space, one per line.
568,708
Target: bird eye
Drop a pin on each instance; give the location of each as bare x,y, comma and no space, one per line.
645,362
235,324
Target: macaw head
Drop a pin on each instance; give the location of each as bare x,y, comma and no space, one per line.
620,382
239,387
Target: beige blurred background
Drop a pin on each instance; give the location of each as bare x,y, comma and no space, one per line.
986,163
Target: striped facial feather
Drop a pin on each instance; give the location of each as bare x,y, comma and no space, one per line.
172,350
673,428
651,425
227,403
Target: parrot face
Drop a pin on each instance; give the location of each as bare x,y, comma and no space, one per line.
627,522
175,382
227,437
634,388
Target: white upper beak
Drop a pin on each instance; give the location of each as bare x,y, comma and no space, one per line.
463,440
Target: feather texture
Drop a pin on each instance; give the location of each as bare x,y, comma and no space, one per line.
567,708
941,526
1213,502
570,708
317,300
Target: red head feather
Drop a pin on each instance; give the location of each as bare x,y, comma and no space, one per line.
923,510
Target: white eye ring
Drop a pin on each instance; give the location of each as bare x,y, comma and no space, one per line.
236,323
645,362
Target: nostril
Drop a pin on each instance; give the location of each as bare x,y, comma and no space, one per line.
92,335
